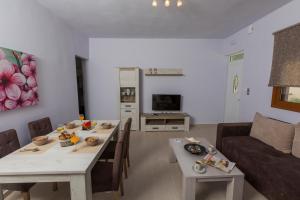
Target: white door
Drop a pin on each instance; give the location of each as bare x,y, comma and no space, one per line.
234,87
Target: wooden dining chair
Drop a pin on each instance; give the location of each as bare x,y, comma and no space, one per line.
109,152
38,128
9,143
107,176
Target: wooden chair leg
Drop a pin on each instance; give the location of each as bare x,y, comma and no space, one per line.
25,195
54,187
128,160
2,194
125,170
116,195
122,187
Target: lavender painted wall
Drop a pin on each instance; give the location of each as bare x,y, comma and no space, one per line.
202,86
203,62
258,48
28,27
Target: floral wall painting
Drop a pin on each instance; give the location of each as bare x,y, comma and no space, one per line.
18,83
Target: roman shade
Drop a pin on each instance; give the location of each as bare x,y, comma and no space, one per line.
286,58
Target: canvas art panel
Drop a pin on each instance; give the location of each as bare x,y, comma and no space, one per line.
18,80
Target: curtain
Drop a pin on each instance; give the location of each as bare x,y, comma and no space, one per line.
286,58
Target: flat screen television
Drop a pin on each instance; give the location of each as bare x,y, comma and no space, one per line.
166,102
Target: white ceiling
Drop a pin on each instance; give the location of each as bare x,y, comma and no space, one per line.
138,19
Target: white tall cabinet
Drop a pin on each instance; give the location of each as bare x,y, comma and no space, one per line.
129,93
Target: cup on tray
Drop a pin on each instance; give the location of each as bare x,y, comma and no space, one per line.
212,150
200,167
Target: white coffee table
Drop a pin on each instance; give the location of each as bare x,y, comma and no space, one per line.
234,179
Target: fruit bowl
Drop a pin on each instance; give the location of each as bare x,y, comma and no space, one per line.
87,125
66,139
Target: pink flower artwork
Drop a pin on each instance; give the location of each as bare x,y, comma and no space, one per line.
18,80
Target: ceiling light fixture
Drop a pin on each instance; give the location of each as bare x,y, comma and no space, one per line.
154,3
179,3
167,3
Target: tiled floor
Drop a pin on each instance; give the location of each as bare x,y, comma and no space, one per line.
151,176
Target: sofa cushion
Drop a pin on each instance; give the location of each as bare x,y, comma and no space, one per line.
278,134
274,173
296,142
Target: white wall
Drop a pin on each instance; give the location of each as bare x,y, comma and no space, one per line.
27,27
258,48
202,86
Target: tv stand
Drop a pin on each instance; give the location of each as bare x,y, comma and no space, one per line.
165,122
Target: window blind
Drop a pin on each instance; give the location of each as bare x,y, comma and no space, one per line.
286,58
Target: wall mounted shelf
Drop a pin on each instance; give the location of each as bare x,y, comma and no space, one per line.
163,72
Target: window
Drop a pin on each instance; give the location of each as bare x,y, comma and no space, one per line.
287,98
291,94
285,71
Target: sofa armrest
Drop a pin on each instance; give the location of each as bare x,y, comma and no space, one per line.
231,129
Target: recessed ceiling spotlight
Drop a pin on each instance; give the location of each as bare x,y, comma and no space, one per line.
154,3
179,3
167,3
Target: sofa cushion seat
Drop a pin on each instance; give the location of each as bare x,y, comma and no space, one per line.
270,171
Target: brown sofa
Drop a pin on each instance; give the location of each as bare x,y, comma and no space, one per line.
273,173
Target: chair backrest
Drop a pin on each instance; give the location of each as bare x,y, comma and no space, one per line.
127,128
118,161
127,125
40,127
8,142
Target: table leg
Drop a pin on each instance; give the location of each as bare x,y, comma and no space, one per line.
81,187
235,189
189,189
1,193
172,157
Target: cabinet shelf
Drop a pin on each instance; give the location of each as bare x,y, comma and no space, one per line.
165,122
175,121
155,122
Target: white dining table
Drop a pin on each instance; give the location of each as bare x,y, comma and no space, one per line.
58,164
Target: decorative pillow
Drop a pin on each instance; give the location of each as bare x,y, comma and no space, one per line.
275,133
296,142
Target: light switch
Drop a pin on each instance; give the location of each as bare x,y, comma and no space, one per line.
248,91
